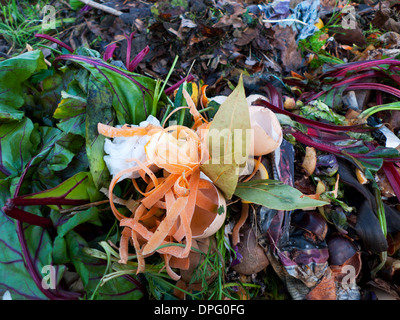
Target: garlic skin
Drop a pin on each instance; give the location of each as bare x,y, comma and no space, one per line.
121,149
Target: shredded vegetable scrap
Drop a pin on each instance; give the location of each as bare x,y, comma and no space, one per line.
179,203
172,200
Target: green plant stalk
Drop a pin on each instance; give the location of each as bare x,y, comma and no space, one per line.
183,111
161,279
167,111
108,253
58,23
178,245
50,48
382,223
383,107
157,92
233,284
156,97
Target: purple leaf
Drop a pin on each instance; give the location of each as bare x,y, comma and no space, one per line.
128,49
393,176
342,69
175,86
109,51
85,8
374,86
239,257
135,61
23,216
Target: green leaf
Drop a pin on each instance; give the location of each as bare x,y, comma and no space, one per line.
69,106
13,269
72,109
276,196
131,104
9,114
317,110
78,187
53,151
98,111
60,249
14,72
227,141
333,96
44,102
15,145
90,215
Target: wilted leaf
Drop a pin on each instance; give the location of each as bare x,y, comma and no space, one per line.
227,141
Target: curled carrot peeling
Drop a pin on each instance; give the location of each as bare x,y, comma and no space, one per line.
168,203
236,229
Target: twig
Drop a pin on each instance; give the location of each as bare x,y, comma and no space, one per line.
84,206
102,7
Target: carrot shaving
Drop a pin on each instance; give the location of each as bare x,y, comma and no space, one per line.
179,263
123,245
165,226
147,235
187,215
162,217
112,132
236,229
172,112
204,99
170,272
146,170
111,188
150,213
256,167
160,191
197,117
140,256
296,75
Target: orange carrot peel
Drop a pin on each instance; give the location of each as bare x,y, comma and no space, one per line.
162,222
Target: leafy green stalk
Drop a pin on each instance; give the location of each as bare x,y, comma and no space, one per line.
383,107
158,92
108,254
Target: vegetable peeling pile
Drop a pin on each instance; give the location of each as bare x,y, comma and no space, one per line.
117,184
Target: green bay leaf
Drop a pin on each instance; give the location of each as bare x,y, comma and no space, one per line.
227,141
276,196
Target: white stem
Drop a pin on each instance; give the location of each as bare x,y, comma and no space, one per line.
102,7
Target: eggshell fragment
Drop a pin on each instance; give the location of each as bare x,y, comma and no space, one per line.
205,223
267,131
